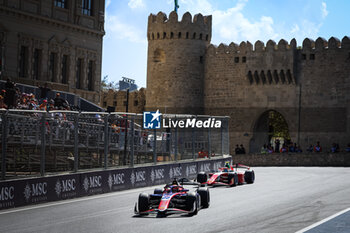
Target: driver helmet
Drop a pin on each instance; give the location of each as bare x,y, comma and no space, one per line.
175,182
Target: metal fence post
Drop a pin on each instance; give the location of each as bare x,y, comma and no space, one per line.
125,139
209,143
76,142
132,141
106,142
222,136
43,144
176,141
155,146
4,144
193,136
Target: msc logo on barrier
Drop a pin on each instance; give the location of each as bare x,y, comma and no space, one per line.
36,191
151,120
115,179
92,184
65,187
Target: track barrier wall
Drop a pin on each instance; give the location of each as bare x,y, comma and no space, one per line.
15,193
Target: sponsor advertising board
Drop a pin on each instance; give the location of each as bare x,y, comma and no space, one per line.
15,193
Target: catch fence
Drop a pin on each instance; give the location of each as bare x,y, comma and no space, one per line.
39,142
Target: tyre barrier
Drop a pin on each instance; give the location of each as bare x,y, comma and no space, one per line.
29,191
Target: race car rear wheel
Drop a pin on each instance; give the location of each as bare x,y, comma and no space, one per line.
249,177
191,203
205,197
143,203
202,177
233,179
158,191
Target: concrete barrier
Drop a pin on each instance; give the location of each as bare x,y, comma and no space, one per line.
21,192
294,159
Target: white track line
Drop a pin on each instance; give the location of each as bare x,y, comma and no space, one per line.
323,221
78,199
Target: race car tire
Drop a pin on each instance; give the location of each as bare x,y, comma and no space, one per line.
233,178
143,202
158,191
191,200
249,177
202,177
205,197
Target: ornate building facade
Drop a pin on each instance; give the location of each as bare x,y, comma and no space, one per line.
53,41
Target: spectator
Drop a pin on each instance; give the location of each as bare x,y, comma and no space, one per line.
9,84
318,147
270,149
59,102
44,105
348,148
335,148
10,96
297,148
2,103
263,149
284,148
51,105
242,149
310,148
277,145
237,150
292,147
44,92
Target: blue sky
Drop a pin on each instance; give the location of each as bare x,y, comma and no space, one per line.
125,42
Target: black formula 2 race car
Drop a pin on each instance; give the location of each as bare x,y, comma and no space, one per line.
173,198
228,175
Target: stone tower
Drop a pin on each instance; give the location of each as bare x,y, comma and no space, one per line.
175,66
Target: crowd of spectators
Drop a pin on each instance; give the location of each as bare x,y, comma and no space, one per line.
12,98
287,146
335,148
294,148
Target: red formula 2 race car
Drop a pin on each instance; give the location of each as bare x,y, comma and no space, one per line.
229,176
173,198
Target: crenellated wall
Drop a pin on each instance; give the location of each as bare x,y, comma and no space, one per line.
309,84
160,27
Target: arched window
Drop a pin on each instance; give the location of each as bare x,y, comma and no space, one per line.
179,35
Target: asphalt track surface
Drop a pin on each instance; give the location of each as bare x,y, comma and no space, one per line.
283,199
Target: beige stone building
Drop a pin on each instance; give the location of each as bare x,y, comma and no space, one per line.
53,41
306,86
117,100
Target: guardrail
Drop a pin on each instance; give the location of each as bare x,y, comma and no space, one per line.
39,142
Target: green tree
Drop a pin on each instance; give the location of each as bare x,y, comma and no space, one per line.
106,84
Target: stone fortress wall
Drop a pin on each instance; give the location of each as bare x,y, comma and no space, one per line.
307,84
